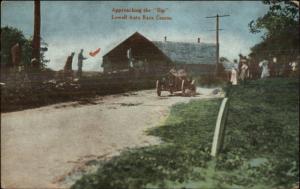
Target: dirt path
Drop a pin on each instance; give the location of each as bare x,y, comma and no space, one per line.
40,146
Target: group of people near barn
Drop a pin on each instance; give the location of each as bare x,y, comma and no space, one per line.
247,69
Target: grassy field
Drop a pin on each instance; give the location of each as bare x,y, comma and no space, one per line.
262,135
261,145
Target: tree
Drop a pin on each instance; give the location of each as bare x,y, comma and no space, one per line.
9,37
281,31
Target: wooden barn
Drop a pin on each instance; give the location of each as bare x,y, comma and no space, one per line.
136,53
141,55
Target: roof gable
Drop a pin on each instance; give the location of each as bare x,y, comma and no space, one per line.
139,45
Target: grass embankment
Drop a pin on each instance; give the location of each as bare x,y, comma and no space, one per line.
260,148
262,137
187,137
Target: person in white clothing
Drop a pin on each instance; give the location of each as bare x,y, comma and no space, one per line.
234,76
244,70
294,66
265,70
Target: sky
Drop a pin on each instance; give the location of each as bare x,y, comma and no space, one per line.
69,26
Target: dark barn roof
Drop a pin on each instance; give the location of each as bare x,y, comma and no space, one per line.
188,53
140,47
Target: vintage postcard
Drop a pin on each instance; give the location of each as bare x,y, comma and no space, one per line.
150,94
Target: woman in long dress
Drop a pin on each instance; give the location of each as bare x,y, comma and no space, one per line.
244,71
234,75
265,70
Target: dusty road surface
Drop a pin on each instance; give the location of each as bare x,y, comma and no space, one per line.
39,147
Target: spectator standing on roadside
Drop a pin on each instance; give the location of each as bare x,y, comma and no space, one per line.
244,70
271,65
265,69
16,55
240,63
253,69
294,68
234,76
68,66
80,61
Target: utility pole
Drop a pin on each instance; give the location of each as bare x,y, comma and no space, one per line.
217,39
36,43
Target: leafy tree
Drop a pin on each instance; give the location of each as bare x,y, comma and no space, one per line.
9,37
281,30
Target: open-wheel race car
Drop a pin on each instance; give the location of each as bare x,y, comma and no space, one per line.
176,80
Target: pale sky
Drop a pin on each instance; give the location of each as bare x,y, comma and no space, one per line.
71,25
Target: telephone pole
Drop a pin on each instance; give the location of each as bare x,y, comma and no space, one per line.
36,42
217,39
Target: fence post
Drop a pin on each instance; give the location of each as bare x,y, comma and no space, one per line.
220,128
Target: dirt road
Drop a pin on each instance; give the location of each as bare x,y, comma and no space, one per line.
39,147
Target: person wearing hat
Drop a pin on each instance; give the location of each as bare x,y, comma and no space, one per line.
80,61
